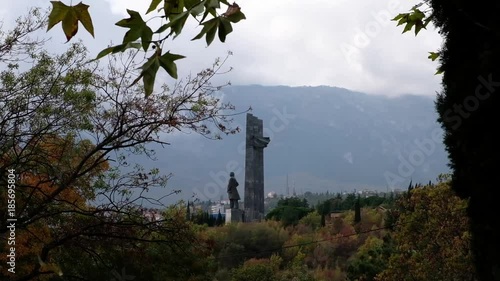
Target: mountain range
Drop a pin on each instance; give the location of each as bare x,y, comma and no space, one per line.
322,138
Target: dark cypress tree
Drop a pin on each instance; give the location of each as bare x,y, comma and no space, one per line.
468,107
410,188
357,211
188,212
323,223
219,221
199,218
211,220
207,219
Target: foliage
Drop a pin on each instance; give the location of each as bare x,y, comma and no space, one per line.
140,33
418,19
15,43
338,202
467,106
432,237
254,270
70,16
312,219
370,259
237,242
469,62
63,122
289,211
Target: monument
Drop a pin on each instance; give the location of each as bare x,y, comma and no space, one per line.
254,169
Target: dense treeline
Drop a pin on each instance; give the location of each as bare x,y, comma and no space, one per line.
423,233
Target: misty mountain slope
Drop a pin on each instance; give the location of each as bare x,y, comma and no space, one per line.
323,137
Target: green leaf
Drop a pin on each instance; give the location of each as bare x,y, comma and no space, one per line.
198,9
427,20
208,10
408,26
163,28
224,29
59,11
167,63
403,19
138,29
69,16
82,12
439,71
433,56
149,77
206,27
178,22
213,4
398,17
146,38
148,73
211,33
117,48
154,4
417,15
70,23
418,26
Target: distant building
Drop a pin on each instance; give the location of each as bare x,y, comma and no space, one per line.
219,207
272,194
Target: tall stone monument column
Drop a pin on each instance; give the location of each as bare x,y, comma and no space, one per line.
254,169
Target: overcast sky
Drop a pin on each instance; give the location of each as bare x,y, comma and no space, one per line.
349,44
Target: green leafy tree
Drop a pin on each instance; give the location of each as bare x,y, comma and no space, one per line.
348,202
63,121
313,220
289,211
239,242
432,238
254,270
370,259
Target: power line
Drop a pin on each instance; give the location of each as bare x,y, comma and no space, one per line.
308,243
319,241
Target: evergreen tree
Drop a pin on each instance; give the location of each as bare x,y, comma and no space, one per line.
468,107
207,218
219,221
323,223
357,211
188,212
410,188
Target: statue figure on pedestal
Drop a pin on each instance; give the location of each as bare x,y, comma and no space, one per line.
232,191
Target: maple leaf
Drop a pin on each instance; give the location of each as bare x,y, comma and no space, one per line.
70,16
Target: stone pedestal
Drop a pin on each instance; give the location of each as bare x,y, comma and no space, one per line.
234,215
